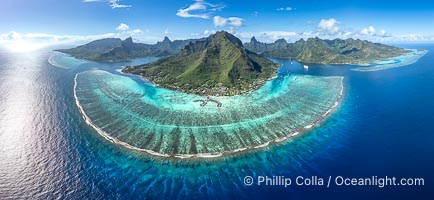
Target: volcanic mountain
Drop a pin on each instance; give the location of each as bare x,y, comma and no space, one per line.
218,65
316,50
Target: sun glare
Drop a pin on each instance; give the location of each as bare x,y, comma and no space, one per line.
21,46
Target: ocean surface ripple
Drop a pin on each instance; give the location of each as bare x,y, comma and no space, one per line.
47,150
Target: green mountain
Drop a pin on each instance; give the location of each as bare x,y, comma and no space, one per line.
337,51
93,49
114,49
218,65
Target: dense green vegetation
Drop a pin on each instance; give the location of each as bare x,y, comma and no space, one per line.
315,50
218,65
114,49
221,64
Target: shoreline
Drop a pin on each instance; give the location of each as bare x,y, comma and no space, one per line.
54,64
415,56
221,96
113,140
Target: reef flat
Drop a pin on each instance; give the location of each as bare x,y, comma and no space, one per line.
173,124
409,58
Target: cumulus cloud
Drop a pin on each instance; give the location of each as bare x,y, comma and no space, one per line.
285,9
330,25
279,34
370,31
112,3
122,27
205,33
33,41
231,21
269,36
138,31
199,9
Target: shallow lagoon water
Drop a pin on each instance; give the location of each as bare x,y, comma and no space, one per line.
399,61
168,123
65,61
48,151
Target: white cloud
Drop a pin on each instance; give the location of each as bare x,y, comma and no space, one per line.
330,25
285,9
122,27
166,32
205,33
209,32
112,3
370,31
347,34
231,21
115,4
199,9
279,34
414,38
32,41
138,31
269,36
219,21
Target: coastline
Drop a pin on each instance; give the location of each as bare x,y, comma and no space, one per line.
413,57
55,64
203,155
51,62
220,96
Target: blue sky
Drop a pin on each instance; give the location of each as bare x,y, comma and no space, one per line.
50,21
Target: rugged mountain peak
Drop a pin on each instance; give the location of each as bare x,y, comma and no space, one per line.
219,65
166,40
128,40
253,40
315,39
222,36
281,41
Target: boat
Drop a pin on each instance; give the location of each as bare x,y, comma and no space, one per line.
306,67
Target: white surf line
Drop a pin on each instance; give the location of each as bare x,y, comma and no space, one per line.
308,126
378,67
261,145
185,156
54,64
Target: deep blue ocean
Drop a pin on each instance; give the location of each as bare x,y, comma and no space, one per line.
383,127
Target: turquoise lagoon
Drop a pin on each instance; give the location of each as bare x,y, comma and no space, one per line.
381,127
143,117
65,61
399,61
168,123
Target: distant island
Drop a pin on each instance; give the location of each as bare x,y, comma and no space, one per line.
221,65
115,49
312,50
216,66
318,51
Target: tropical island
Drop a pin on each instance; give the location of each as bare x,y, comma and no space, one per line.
319,51
115,49
218,65
221,65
